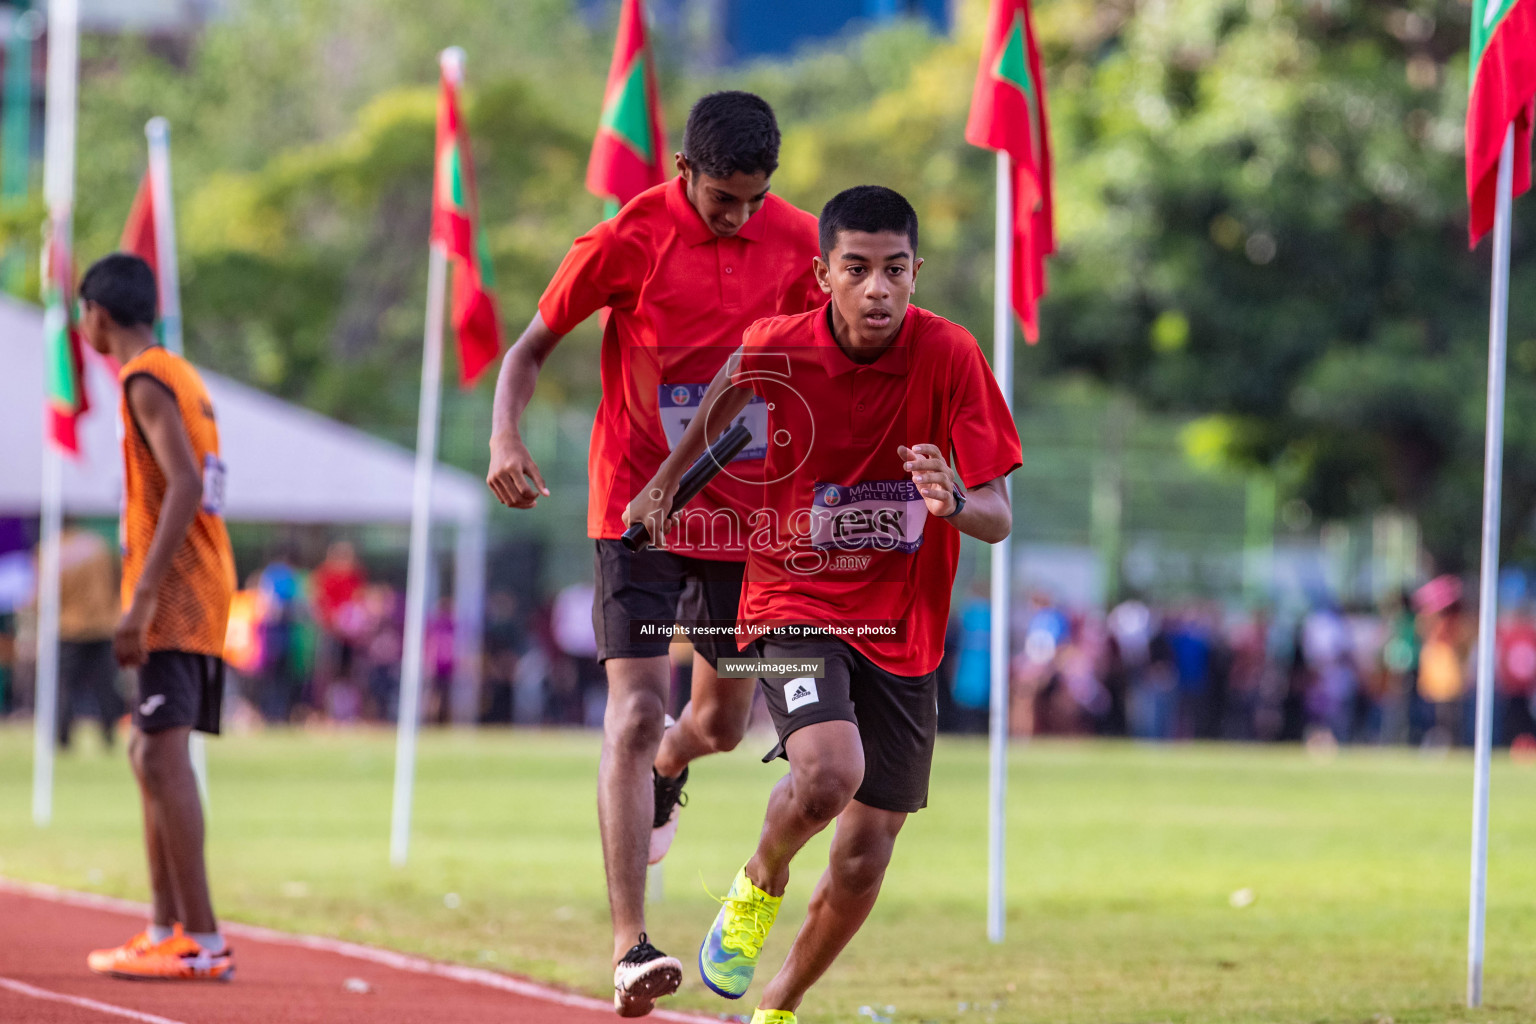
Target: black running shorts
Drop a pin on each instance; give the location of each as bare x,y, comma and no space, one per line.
178,689
640,595
897,716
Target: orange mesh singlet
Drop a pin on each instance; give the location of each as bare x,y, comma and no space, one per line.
193,607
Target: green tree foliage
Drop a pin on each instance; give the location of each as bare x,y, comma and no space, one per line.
1265,222
1260,209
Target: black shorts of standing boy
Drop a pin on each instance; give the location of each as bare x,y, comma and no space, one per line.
897,716
641,594
179,689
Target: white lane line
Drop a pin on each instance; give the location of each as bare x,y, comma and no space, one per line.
356,951
23,988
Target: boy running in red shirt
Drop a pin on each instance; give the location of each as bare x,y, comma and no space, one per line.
683,269
178,577
889,438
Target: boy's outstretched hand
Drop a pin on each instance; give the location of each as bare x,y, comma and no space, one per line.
934,478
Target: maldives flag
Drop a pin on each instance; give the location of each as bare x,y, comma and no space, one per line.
1503,84
65,358
456,227
139,232
1008,115
628,153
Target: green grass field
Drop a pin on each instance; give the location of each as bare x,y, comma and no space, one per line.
1122,863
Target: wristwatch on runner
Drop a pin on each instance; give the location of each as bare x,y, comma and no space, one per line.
959,504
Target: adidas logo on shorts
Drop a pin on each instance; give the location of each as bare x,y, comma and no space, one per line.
798,692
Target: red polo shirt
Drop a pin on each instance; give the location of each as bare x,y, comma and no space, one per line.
680,299
845,541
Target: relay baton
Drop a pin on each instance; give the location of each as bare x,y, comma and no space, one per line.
704,469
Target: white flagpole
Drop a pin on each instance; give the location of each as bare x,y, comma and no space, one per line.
58,191
1002,366
158,131
409,719
1488,584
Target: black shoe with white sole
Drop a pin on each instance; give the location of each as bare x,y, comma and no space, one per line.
642,977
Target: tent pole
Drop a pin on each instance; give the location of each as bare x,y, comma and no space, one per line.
469,620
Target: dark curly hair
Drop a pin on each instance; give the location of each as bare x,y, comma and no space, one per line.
871,208
124,286
729,132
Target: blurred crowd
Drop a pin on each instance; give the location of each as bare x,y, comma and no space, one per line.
1399,673
322,644
316,644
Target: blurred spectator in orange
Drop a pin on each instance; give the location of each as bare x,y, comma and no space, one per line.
88,613
1447,631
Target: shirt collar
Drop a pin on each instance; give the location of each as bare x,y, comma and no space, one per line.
691,227
892,361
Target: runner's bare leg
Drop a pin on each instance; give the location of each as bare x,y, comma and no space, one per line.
713,721
826,768
861,850
169,783
632,728
164,913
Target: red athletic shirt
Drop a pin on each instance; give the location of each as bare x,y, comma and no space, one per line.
844,540
680,298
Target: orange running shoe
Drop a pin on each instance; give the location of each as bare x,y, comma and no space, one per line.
103,961
178,958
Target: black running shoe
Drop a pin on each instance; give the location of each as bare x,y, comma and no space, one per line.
670,798
642,977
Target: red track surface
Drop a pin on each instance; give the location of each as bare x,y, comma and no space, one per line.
281,979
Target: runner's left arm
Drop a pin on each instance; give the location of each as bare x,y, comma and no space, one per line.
154,410
987,515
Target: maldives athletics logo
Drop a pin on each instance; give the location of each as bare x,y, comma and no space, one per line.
832,496
681,394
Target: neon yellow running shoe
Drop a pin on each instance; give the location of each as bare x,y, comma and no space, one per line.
762,1016
728,956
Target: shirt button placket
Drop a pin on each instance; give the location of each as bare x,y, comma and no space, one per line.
730,272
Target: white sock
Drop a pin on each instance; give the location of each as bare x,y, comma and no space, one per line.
159,933
213,942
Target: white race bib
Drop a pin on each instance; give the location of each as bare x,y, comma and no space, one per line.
213,484
887,515
678,404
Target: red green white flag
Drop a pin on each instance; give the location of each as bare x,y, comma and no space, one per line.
1503,68
456,227
628,154
139,239
67,400
1008,116
139,232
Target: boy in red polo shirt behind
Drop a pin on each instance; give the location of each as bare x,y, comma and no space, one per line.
683,269
889,438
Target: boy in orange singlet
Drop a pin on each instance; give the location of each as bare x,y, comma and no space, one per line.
178,576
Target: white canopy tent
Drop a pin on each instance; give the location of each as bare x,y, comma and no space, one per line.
286,465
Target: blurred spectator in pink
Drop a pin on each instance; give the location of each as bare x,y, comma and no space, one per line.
381,651
1516,673
438,651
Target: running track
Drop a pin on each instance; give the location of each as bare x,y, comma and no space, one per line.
282,979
